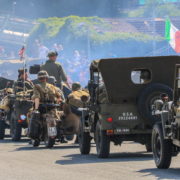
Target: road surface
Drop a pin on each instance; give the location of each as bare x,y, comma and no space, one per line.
20,161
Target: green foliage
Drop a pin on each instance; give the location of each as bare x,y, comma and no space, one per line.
156,8
109,37
75,28
52,26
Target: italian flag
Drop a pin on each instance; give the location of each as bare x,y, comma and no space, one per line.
172,35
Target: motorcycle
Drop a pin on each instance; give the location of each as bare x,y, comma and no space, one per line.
45,125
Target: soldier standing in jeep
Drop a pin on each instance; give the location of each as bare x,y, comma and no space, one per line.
55,69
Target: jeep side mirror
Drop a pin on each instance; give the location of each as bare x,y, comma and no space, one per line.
34,69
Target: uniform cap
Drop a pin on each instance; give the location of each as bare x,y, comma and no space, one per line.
52,53
76,86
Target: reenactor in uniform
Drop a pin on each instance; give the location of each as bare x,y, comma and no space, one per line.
23,83
20,85
45,92
55,69
74,99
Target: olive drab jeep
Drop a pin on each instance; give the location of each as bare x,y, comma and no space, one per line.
166,133
122,95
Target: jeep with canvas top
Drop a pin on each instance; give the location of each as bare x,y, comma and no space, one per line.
122,95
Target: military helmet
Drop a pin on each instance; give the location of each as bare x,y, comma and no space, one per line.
42,74
76,86
52,53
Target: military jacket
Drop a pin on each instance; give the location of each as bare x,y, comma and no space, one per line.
46,93
55,69
75,98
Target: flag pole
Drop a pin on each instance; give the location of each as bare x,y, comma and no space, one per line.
24,68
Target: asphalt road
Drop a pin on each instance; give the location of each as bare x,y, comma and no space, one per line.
20,161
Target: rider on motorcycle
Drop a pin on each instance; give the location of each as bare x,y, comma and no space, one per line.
46,96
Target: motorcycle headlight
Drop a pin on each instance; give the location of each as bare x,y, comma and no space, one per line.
23,117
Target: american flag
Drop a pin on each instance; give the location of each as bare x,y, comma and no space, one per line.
21,53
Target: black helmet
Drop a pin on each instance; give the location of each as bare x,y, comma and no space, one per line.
76,86
42,74
52,53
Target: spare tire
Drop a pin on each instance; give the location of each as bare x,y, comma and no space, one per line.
147,98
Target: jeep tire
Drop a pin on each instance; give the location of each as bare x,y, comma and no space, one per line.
162,148
102,142
84,140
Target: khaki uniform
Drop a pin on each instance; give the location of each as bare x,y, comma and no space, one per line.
46,93
74,98
55,69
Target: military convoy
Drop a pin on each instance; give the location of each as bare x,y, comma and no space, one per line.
131,99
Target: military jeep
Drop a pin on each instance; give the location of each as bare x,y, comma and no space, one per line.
166,133
122,95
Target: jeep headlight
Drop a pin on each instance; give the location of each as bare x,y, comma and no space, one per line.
23,117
